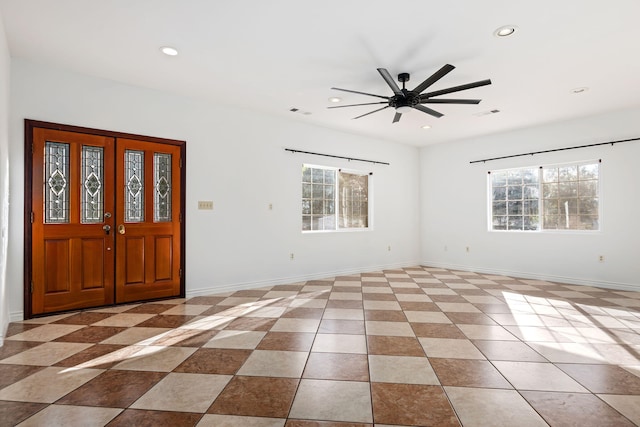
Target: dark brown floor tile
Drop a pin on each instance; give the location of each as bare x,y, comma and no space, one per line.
372,274
370,296
338,326
307,423
10,374
320,282
251,324
93,353
214,361
470,318
472,292
414,291
166,321
150,308
286,341
13,413
205,300
385,315
256,396
339,303
142,418
18,328
349,289
418,306
437,330
114,389
371,284
215,310
468,373
322,295
433,285
334,366
182,337
574,409
11,348
447,298
84,318
250,293
355,278
304,313
394,346
493,308
411,404
606,379
297,288
91,334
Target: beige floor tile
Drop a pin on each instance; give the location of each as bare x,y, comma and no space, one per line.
413,297
487,332
187,309
206,323
49,319
47,332
214,420
136,335
124,320
280,295
308,302
183,392
393,329
492,408
347,401
449,347
568,352
340,343
509,350
270,363
239,301
480,299
237,339
267,311
426,317
462,307
381,305
629,406
343,314
156,359
45,354
58,381
68,415
537,376
296,325
350,296
376,290
439,291
401,369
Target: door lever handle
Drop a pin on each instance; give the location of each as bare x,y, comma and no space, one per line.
121,229
106,229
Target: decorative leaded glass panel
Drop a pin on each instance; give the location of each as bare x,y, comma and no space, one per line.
56,175
134,186
92,185
162,187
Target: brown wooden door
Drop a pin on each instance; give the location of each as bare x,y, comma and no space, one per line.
147,218
72,255
105,220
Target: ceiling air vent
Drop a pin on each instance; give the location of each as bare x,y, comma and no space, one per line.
486,113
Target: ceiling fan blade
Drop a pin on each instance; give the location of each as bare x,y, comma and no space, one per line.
387,78
448,101
396,118
427,110
446,69
457,88
361,93
371,112
355,105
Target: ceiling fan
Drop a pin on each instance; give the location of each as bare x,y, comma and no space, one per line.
404,100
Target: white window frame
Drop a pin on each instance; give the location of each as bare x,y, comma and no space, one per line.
541,199
336,200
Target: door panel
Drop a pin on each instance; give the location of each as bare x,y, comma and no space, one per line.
103,218
148,218
69,248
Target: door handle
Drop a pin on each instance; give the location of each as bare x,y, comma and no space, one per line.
121,229
106,228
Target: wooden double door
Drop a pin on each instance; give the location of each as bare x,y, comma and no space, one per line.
104,218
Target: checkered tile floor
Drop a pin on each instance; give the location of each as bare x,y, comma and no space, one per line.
412,347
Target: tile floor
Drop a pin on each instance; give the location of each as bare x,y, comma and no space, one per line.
410,347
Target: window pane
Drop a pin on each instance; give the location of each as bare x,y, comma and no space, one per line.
550,190
531,192
56,198
514,208
329,177
500,193
317,206
514,192
499,208
306,207
306,222
91,198
162,187
588,171
317,176
531,223
498,179
329,192
499,222
551,207
134,186
588,206
306,174
550,175
515,223
530,207
568,189
588,188
568,173
589,222
514,177
550,222
306,191
353,200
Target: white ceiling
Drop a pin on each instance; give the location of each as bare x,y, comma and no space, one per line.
277,54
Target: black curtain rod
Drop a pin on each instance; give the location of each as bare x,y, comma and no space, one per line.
555,149
337,157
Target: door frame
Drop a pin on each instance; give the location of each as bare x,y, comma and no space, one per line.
29,126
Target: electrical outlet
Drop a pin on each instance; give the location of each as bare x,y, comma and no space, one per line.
389,248
291,256
446,248
270,206
205,205
467,248
601,258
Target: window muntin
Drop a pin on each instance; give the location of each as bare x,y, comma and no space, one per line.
333,199
559,197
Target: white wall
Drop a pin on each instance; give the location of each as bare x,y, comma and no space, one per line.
4,176
454,205
235,158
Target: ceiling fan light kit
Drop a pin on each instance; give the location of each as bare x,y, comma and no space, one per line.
404,100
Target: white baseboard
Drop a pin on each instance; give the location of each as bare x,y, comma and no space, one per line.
231,287
537,276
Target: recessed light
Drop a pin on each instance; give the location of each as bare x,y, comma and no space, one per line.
335,99
168,50
579,89
505,31
426,127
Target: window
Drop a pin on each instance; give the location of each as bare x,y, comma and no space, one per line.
560,197
333,199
